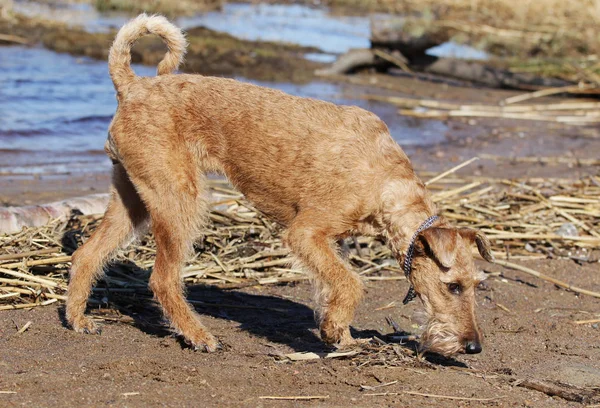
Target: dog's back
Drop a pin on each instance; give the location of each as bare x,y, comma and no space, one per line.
257,137
263,139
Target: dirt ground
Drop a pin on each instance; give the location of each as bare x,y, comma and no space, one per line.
136,362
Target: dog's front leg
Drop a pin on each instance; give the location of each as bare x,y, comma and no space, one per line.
338,289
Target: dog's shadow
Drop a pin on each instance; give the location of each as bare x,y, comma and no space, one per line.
276,319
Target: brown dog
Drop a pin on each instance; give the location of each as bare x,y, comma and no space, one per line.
323,171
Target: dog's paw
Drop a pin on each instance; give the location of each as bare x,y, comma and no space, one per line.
352,343
209,348
85,325
336,335
207,343
349,342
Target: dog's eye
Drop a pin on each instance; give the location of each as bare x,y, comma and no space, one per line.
454,288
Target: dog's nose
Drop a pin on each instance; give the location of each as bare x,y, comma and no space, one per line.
473,347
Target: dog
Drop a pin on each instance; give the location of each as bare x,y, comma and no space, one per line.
321,170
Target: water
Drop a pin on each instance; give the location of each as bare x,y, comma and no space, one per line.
56,109
454,50
74,14
294,24
287,23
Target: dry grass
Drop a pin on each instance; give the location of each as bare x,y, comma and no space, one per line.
568,113
505,27
527,15
242,248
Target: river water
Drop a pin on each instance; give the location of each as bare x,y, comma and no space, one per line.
56,108
291,23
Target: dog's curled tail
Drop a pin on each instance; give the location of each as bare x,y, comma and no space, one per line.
119,57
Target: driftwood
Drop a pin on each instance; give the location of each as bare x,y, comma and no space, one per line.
414,34
398,43
483,74
352,61
409,39
473,71
362,58
13,39
13,219
402,43
564,391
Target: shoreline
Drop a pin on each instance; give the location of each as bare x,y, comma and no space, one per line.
25,190
462,138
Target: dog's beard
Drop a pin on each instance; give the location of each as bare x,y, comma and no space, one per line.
439,337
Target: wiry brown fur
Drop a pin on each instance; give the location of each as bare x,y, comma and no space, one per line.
323,171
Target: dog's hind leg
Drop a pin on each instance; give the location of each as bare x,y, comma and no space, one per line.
125,216
338,289
177,215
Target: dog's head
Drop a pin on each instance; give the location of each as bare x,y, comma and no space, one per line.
445,278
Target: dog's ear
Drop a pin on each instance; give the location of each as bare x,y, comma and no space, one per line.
479,238
441,244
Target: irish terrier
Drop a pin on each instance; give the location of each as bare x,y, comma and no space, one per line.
321,170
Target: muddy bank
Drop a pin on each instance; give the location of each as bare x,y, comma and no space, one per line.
213,53
28,189
209,52
165,7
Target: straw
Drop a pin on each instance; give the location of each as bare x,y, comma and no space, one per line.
242,248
